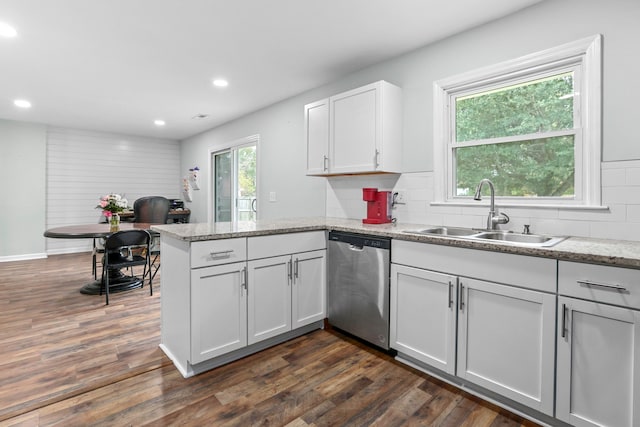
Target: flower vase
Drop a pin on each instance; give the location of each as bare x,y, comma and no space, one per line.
114,223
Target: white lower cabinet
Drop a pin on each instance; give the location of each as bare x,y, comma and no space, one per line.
269,298
598,363
423,316
221,296
506,341
309,291
487,318
218,311
285,292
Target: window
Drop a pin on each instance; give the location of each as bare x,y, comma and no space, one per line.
532,126
235,181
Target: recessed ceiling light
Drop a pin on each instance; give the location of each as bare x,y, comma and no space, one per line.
159,122
7,30
220,83
200,116
22,103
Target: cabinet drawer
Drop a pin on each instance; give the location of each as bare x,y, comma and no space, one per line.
611,285
284,244
215,252
518,270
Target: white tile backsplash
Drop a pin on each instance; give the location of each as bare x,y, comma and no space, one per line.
620,193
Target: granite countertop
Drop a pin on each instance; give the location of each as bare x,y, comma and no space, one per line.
620,253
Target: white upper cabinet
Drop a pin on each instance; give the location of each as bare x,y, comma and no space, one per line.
316,123
359,131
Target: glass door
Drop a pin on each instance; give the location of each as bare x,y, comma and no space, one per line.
247,201
223,186
235,186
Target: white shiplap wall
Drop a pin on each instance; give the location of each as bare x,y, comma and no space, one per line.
83,165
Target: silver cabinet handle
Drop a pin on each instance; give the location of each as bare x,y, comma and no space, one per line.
243,281
564,320
602,285
450,293
221,254
289,268
376,159
296,269
325,163
461,296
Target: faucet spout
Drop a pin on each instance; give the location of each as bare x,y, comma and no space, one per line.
492,219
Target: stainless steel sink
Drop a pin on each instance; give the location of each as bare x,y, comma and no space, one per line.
531,239
497,236
447,231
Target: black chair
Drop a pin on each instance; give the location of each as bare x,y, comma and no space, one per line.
154,210
151,209
98,248
119,252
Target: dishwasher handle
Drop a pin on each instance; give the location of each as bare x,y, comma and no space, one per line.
356,248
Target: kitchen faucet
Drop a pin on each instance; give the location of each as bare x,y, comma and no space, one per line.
494,217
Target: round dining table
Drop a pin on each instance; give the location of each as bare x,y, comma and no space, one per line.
118,281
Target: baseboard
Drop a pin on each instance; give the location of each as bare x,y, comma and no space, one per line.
68,251
23,257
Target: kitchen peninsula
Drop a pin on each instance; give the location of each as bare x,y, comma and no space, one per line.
231,289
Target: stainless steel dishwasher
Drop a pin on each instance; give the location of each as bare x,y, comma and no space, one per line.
358,286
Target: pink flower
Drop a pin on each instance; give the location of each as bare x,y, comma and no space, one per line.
103,203
107,214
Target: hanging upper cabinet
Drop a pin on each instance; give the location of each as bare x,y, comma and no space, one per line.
359,131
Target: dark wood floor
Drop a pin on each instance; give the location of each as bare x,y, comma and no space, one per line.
67,359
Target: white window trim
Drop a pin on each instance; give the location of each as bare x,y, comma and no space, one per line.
587,53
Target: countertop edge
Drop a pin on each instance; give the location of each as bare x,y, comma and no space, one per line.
576,249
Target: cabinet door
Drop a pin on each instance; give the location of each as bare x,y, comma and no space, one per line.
309,288
218,311
598,364
423,316
506,341
269,297
316,127
354,130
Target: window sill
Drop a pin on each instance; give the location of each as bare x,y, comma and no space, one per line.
501,204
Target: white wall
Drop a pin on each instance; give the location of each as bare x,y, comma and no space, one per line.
22,190
281,163
82,166
542,26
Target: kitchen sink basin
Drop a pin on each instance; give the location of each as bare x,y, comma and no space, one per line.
506,236
447,231
497,236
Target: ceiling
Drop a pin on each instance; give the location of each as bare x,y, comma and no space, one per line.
118,65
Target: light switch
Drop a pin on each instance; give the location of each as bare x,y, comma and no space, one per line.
272,196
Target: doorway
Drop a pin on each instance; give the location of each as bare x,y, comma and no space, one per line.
235,181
